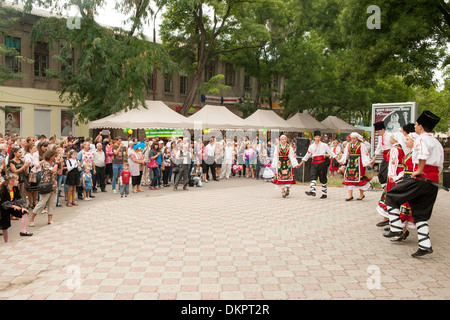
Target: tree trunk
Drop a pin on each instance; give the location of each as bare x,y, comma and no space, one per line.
189,101
258,94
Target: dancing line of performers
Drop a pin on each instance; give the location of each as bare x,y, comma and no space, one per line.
409,173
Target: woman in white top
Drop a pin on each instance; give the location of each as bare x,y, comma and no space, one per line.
30,150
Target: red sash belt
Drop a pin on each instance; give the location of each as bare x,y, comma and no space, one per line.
431,172
318,159
386,155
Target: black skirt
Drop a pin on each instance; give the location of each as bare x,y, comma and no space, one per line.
73,177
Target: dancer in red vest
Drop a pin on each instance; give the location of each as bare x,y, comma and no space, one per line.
395,166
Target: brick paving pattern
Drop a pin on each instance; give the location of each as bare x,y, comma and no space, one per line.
233,239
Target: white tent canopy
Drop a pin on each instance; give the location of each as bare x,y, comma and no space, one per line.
269,119
336,123
157,115
304,121
217,117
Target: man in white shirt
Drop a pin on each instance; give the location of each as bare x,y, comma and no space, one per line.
319,167
227,160
419,190
383,147
210,161
99,164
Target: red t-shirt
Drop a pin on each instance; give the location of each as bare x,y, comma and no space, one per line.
126,175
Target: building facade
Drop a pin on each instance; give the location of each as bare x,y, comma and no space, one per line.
32,105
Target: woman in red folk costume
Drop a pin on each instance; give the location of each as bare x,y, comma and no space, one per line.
405,210
284,160
355,177
395,167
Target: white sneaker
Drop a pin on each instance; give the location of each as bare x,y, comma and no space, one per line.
86,199
115,191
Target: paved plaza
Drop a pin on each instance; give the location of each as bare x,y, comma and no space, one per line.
232,239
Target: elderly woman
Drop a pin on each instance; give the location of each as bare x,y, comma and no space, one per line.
284,161
49,170
355,177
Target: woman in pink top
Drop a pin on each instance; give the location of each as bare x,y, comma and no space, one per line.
109,157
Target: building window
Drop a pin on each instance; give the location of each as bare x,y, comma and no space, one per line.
275,81
11,61
209,71
151,82
168,83
247,82
183,85
40,59
229,74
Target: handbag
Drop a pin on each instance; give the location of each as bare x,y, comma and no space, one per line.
152,164
44,187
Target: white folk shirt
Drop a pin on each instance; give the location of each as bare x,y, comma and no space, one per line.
315,150
384,143
428,148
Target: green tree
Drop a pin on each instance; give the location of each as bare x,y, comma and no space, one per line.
113,66
8,18
195,32
410,41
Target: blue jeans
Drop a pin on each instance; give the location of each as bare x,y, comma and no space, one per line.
156,177
117,169
59,181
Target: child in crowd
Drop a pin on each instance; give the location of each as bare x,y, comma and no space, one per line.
73,177
125,177
268,172
87,182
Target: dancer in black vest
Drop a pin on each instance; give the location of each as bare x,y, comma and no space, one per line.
418,191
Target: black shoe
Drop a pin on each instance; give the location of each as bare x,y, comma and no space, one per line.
360,198
391,234
349,199
324,196
387,229
95,190
309,193
402,237
59,205
91,196
383,223
421,252
104,190
26,234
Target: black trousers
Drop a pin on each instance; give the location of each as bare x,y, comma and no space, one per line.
183,172
420,195
100,174
319,170
211,164
383,172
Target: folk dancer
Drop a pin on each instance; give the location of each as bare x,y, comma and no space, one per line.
284,161
383,147
395,166
406,218
317,151
419,190
355,177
